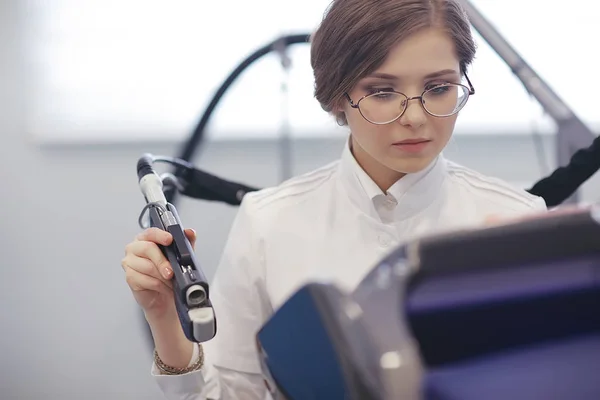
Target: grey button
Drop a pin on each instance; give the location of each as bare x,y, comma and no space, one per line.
390,202
384,240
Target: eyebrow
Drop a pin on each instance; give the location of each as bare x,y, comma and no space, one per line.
389,77
381,75
441,73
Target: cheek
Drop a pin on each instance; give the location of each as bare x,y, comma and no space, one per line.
374,139
357,124
361,128
443,127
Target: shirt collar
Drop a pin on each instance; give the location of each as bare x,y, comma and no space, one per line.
412,193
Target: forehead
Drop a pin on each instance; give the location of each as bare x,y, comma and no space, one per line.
420,54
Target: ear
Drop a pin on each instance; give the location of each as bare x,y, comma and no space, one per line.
340,109
341,106
340,118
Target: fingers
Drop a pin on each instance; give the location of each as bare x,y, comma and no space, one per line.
155,235
569,209
163,237
139,282
493,219
146,257
147,267
191,235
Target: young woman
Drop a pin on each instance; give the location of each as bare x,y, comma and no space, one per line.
394,72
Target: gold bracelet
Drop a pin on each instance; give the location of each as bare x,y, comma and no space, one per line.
168,370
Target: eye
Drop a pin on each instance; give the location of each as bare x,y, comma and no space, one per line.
374,90
381,93
438,88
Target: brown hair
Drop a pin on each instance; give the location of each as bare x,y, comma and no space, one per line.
355,36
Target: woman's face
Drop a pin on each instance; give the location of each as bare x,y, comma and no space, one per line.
419,62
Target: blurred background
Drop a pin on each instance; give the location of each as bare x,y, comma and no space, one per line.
87,86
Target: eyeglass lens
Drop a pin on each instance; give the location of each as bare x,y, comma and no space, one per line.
443,100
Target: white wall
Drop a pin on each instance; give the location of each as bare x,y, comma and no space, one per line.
117,69
70,329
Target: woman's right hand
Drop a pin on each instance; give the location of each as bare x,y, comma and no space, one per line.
148,273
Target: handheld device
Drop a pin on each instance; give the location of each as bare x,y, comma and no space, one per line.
190,287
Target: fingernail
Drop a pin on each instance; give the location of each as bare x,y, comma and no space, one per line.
167,273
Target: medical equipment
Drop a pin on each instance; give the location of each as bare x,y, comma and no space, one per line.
191,289
511,314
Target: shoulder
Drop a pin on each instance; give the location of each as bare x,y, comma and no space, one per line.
492,190
290,194
267,213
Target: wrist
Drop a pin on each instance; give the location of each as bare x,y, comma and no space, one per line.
165,313
195,364
163,317
170,343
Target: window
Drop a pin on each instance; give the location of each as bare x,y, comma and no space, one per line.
142,70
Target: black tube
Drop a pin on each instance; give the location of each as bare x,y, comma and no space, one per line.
554,189
564,181
144,166
194,142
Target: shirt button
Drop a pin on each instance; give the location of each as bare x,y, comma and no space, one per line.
390,202
384,240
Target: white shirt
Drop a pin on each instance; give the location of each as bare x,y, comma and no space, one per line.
331,224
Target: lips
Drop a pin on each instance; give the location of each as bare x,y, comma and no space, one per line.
412,146
412,141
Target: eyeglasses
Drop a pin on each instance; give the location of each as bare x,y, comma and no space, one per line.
386,106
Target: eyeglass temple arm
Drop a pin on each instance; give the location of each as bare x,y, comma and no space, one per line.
350,101
471,88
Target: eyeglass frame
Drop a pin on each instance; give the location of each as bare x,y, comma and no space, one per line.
356,105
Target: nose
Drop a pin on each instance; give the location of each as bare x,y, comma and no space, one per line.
414,115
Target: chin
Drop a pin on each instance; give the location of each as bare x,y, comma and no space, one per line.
411,166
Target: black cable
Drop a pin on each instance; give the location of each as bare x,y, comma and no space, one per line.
193,144
564,181
554,189
201,185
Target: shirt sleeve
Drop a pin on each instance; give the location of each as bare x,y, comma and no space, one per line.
231,364
210,383
539,204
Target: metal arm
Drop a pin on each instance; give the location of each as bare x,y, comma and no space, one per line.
572,133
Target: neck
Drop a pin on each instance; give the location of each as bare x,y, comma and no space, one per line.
383,176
